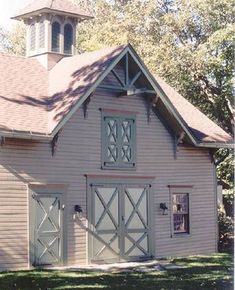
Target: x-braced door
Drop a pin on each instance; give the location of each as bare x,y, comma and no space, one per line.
120,222
136,222
47,233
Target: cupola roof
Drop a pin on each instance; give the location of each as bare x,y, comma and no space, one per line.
58,7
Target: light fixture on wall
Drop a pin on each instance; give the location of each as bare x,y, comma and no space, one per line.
78,211
164,208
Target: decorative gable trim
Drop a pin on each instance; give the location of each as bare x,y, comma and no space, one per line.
127,88
89,92
157,89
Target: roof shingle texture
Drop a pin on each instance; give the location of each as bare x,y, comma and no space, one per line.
35,100
65,6
199,124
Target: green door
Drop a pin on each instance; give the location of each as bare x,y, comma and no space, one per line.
47,232
136,222
119,222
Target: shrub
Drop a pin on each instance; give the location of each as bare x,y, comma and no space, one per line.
226,232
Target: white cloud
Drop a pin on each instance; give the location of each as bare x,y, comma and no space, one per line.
9,8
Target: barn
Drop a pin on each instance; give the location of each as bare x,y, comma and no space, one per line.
100,161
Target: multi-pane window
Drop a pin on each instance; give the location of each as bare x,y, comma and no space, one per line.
118,141
56,36
180,204
68,38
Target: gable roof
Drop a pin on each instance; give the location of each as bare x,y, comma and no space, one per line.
59,6
54,99
23,93
203,128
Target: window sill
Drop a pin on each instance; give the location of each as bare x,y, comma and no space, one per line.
181,235
118,168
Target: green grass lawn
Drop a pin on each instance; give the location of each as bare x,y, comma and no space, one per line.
202,272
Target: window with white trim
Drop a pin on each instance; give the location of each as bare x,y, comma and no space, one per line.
68,38
56,36
118,141
180,210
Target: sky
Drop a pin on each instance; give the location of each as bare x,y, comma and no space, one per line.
9,8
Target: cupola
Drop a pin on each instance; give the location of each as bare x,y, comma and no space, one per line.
51,29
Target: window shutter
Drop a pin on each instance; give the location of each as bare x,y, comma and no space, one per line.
32,37
110,140
118,142
41,35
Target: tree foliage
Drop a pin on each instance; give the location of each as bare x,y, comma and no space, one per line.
13,42
188,42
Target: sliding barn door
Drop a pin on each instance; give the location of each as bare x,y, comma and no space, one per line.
119,222
136,223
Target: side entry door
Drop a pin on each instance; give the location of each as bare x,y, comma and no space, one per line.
46,229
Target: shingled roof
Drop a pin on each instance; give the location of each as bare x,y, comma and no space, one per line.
61,6
36,101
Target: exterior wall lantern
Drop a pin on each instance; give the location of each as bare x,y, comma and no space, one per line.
78,211
164,208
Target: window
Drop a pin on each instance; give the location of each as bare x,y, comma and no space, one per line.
68,39
118,141
32,37
180,208
41,35
56,36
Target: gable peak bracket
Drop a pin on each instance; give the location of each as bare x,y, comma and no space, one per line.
54,143
155,100
178,140
151,103
85,106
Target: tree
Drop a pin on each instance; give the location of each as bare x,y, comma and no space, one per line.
13,42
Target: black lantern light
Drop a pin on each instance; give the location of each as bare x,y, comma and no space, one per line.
164,208
78,210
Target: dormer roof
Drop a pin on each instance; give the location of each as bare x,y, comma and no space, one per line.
58,7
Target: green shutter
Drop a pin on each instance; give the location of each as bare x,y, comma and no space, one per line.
118,141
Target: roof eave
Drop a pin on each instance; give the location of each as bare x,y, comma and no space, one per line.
216,145
47,10
26,135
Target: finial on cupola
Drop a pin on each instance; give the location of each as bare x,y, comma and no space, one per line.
51,29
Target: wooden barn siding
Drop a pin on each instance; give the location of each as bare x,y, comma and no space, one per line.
78,153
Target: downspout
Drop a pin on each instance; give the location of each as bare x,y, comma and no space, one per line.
216,207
